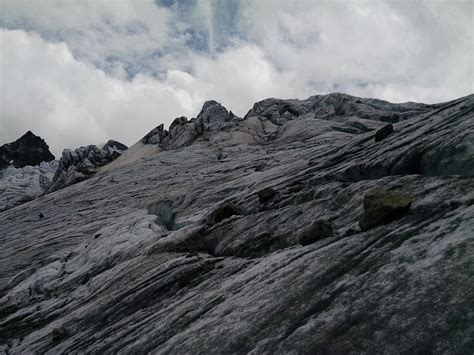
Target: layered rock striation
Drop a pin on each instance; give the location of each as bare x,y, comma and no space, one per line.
81,163
242,235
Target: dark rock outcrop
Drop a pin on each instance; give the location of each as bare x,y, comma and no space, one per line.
381,206
29,149
212,117
315,232
155,136
266,194
383,132
221,212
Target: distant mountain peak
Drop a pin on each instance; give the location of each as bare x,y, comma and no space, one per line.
29,149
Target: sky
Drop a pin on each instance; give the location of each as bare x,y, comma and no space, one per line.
83,72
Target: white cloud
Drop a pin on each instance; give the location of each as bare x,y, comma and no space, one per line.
71,103
95,30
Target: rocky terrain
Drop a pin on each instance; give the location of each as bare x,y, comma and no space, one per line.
31,173
29,149
80,164
20,185
329,225
26,169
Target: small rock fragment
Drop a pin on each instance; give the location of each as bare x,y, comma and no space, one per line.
58,334
318,230
266,194
382,206
41,215
383,132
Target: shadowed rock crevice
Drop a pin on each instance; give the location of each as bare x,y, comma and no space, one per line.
163,210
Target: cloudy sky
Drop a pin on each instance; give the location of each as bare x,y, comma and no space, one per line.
81,72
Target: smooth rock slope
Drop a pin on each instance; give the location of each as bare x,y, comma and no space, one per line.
190,241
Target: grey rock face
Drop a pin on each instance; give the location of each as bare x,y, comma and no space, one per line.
213,117
79,164
20,185
155,136
99,273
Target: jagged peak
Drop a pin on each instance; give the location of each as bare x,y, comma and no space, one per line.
29,149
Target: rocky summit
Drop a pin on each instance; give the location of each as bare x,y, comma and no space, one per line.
306,226
29,149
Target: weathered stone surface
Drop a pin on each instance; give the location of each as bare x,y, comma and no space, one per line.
103,269
266,194
20,185
29,149
383,132
213,116
163,210
315,232
155,136
382,206
221,212
80,164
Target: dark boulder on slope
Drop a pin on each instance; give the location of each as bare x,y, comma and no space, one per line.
211,269
383,132
29,149
316,231
381,206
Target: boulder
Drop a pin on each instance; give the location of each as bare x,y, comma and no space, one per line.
318,230
383,132
382,206
266,194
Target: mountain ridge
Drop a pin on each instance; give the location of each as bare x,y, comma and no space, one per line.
194,243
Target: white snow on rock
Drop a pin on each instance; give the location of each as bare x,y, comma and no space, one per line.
19,185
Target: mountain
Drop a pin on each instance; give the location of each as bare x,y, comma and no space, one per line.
28,172
26,169
334,224
29,149
80,164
